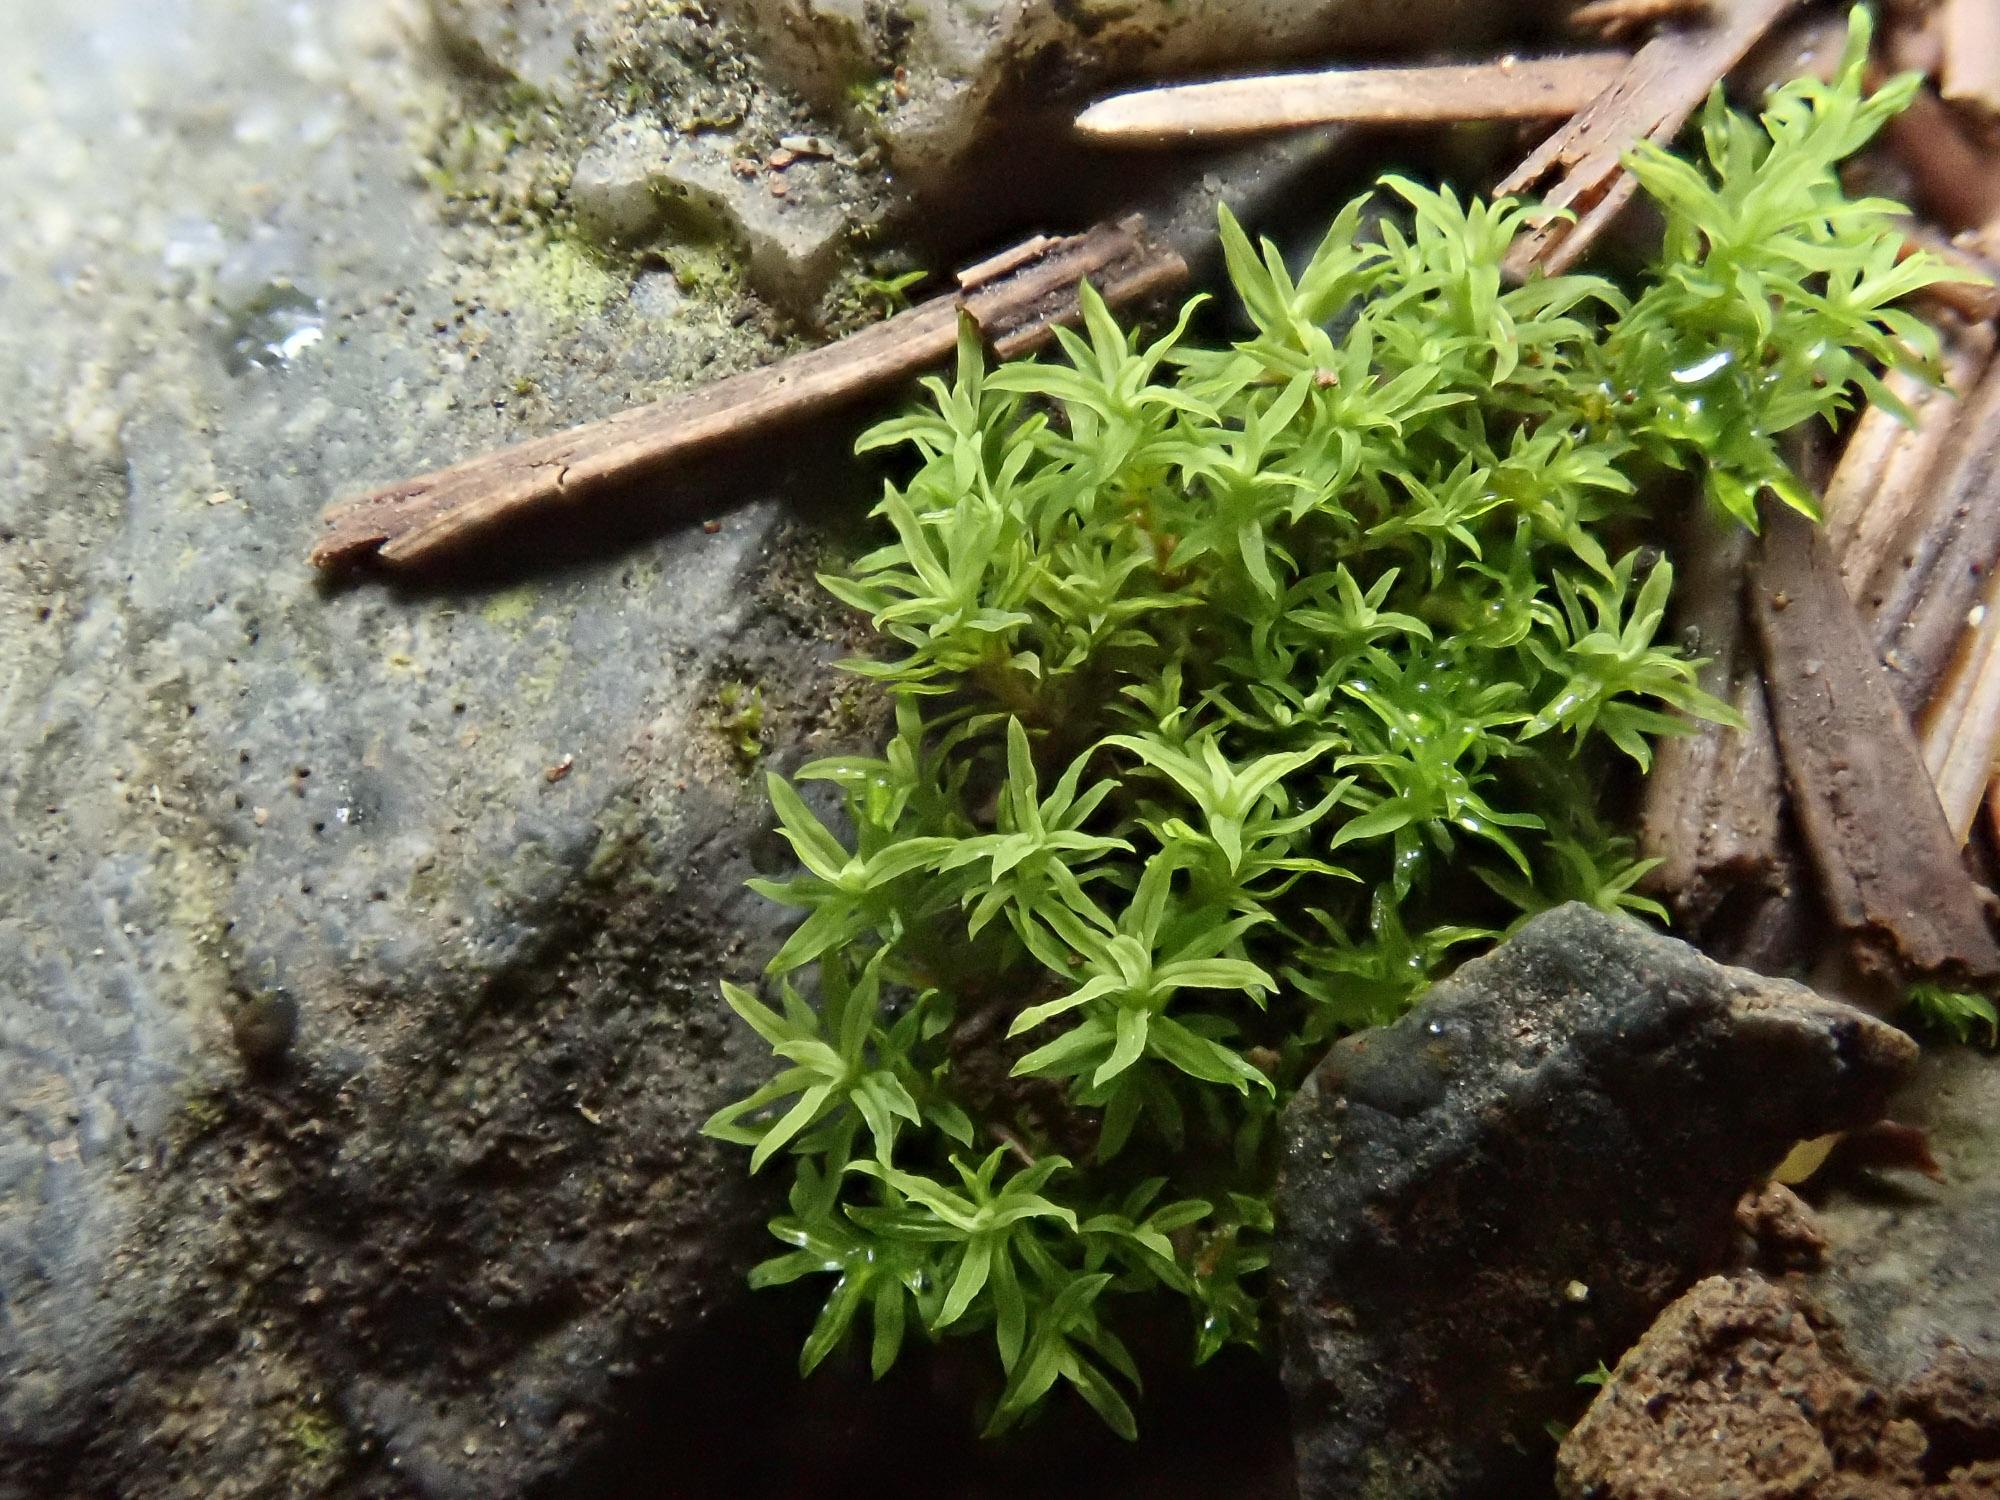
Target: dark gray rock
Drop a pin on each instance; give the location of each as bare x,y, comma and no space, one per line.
1483,1201
351,1064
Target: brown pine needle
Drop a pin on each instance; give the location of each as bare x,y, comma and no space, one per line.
1505,89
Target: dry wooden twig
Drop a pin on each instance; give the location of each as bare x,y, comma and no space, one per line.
1954,176
1881,499
1506,89
1659,89
1888,864
1974,301
1934,569
1017,299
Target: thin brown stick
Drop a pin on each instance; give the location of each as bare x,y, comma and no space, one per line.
1713,809
1654,96
1612,19
1853,499
1506,89
1016,301
1974,301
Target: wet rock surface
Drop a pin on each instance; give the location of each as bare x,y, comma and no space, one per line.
1483,1201
357,947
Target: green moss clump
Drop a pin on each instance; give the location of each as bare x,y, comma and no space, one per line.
1239,693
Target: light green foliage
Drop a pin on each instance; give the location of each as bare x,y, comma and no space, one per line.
1958,1014
315,1435
1775,296
1239,693
741,714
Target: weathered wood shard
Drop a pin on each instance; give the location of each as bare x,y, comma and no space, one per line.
1713,810
1016,300
1506,89
1918,597
1888,866
1886,469
1651,100
1717,810
1960,731
1954,178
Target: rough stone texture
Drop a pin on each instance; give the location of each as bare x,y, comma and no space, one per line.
1871,1371
943,120
357,947
654,130
1483,1201
1910,1261
929,80
638,182
1744,1390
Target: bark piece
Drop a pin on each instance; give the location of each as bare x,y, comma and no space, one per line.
1918,597
1888,865
1481,1201
1016,307
1612,19
1713,810
1659,89
1886,470
1960,731
1973,301
1506,89
1957,182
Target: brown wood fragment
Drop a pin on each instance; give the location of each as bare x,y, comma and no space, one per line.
1973,301
1960,730
1852,503
1016,305
1888,866
1918,598
1506,89
1713,807
1971,44
1659,89
1887,466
